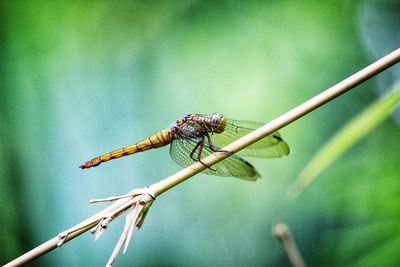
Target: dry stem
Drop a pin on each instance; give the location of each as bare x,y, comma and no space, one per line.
282,232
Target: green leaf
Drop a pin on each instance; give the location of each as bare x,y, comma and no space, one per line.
349,135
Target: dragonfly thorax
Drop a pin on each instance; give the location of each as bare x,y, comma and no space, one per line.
197,126
192,130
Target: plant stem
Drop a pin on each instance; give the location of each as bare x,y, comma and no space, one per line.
177,178
73,232
282,232
283,120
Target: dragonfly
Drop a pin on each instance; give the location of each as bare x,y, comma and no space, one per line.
195,136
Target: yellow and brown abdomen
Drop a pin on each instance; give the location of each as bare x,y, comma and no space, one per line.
159,139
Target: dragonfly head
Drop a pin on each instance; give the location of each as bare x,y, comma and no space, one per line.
218,122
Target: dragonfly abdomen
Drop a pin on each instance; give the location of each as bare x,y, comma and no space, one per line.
159,139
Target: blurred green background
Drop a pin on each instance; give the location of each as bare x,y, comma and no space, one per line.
80,78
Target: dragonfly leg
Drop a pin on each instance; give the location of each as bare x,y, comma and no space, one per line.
195,148
215,149
199,147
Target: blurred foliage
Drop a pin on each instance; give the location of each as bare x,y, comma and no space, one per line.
345,138
80,78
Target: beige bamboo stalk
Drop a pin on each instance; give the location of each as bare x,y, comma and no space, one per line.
184,174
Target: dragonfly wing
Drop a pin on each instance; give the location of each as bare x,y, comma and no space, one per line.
272,146
235,166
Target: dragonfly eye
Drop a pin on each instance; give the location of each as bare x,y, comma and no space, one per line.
218,122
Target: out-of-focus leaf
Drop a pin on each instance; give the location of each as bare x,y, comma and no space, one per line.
350,134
